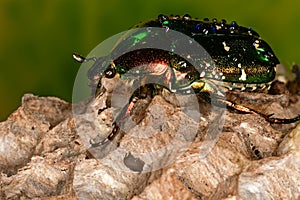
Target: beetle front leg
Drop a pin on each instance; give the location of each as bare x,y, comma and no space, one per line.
142,92
124,113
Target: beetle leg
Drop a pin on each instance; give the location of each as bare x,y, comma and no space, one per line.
120,118
244,109
140,93
219,102
124,113
280,120
211,94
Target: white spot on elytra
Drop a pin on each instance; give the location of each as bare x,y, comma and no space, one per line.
243,76
182,64
227,48
239,65
256,44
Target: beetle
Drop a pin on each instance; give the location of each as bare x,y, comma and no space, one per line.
242,61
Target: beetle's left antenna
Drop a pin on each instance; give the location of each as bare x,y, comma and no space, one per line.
79,58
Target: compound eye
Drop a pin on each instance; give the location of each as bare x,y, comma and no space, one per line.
110,72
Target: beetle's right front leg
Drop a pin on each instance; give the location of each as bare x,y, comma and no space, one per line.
119,120
140,93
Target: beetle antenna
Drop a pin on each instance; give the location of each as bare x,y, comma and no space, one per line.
79,58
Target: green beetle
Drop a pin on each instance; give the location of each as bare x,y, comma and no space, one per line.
236,58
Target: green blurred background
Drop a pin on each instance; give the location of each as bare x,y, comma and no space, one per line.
37,37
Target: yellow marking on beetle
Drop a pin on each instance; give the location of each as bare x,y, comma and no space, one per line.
198,85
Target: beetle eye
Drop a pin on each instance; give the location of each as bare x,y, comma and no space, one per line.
110,72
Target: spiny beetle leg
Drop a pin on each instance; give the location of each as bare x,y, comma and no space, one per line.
251,111
124,113
281,121
141,92
210,94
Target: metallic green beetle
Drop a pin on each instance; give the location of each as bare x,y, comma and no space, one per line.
241,59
